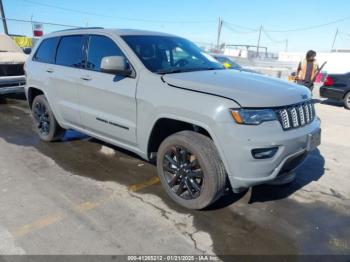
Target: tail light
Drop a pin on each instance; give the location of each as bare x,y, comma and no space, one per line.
329,81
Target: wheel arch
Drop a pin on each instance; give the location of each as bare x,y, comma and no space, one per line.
164,127
32,93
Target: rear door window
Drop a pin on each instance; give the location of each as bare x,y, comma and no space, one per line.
70,51
47,51
100,47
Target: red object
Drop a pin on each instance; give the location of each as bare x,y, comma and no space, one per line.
38,30
318,78
329,81
38,33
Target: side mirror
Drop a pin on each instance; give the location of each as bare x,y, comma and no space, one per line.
116,65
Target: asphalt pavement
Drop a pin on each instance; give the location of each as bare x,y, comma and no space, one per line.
82,196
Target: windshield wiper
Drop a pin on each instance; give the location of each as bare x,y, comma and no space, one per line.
210,68
171,71
183,70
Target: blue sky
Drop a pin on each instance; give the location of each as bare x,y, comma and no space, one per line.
197,19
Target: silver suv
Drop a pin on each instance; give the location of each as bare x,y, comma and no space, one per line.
163,98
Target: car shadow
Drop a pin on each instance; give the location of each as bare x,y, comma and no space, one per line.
227,199
18,96
71,135
311,170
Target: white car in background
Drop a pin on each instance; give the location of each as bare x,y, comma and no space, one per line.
12,59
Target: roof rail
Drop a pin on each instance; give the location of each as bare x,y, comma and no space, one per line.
79,28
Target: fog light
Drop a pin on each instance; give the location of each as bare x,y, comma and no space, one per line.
264,153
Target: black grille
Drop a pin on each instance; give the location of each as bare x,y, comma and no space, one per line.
12,84
12,70
296,116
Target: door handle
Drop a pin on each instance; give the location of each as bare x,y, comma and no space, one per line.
86,77
50,70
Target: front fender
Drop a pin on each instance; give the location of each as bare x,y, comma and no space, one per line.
157,100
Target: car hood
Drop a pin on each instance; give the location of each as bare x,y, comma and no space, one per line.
12,58
247,89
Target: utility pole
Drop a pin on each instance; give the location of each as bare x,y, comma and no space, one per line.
286,45
258,45
219,33
335,39
3,18
31,22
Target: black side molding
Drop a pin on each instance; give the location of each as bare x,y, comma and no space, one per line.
111,123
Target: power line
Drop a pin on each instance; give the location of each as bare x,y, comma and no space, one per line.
115,17
311,27
293,29
39,22
345,34
228,26
271,38
242,27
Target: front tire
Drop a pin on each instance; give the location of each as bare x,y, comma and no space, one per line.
45,122
191,170
347,101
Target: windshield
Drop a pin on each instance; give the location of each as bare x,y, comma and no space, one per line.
227,62
166,54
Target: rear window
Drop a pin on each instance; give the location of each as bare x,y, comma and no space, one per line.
47,50
70,51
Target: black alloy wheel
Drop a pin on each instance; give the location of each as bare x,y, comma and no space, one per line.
42,118
183,172
45,122
190,169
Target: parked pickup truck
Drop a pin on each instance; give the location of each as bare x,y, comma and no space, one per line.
161,97
12,59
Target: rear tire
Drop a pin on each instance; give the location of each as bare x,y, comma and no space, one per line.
347,101
191,170
45,122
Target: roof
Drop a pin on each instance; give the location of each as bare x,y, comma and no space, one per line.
120,32
138,32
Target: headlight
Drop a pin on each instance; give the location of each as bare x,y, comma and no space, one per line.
253,116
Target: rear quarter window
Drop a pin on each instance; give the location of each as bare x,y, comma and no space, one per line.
47,50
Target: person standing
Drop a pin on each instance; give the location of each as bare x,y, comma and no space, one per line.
307,70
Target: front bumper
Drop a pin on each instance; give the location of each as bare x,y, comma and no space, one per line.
12,84
237,143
